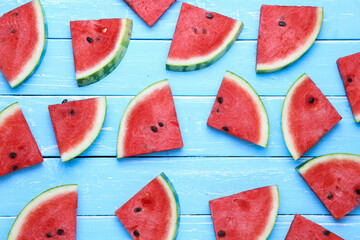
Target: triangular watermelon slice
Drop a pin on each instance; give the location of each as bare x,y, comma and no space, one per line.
52,214
149,10
302,228
307,115
22,41
200,39
77,124
247,215
149,123
350,73
335,179
98,47
285,34
17,145
153,213
239,111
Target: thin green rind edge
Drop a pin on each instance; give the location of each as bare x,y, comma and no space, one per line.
277,210
102,124
172,188
51,189
208,62
8,107
270,70
126,109
267,117
43,51
113,63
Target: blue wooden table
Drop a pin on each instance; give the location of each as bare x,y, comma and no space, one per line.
211,164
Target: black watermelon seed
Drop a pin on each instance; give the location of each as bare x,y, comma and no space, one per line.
72,112
330,196
209,15
221,234
282,24
12,155
311,100
48,235
161,124
15,167
137,209
326,232
220,100
357,191
349,79
226,129
60,232
217,110
154,129
64,101
89,39
204,31
16,14
194,30
136,233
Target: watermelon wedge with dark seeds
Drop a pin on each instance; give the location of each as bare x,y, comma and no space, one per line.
335,179
152,213
350,73
18,147
98,47
22,42
200,39
307,115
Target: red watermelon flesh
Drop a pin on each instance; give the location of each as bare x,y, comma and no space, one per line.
51,215
149,10
149,123
18,147
302,228
152,213
239,111
247,215
335,179
307,116
349,68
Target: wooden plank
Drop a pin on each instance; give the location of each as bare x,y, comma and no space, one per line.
340,17
144,64
194,227
199,139
105,184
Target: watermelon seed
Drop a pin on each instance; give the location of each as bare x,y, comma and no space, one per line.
226,129
161,124
221,234
349,79
204,31
60,232
326,232
209,15
330,196
48,235
16,14
136,233
72,112
12,155
89,39
64,101
154,129
220,100
358,191
311,100
282,24
194,29
15,167
104,30
137,209
217,110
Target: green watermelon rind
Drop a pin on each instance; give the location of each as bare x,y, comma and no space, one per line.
264,117
44,196
17,83
273,218
123,123
205,61
8,111
104,69
268,68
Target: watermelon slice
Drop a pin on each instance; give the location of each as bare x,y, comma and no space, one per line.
77,124
302,228
246,215
98,47
285,34
149,123
17,145
239,111
335,179
350,74
200,39
52,214
306,117
153,213
22,41
149,10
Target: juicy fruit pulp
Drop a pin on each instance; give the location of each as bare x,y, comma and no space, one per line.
307,116
285,34
51,214
238,110
302,228
247,215
200,39
153,213
17,145
335,179
350,73
98,47
77,124
149,123
22,41
149,10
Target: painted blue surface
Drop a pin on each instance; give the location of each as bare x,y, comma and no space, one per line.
212,164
